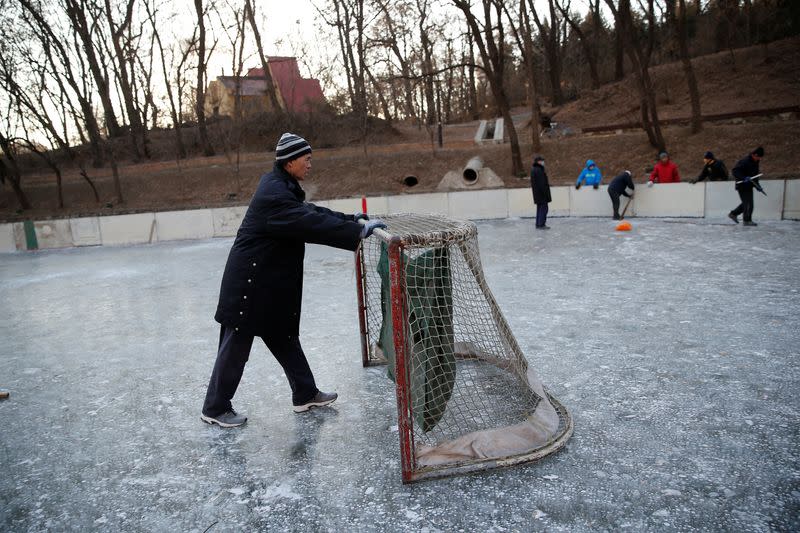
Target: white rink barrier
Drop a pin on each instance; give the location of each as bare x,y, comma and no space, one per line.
183,225
7,241
128,229
484,204
678,200
791,200
590,202
721,199
681,200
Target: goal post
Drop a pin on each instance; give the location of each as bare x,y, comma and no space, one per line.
467,398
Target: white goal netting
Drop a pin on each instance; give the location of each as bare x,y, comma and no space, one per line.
467,398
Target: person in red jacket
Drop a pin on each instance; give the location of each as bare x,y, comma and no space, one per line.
665,171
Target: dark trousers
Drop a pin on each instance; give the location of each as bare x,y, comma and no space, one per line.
232,355
541,214
614,202
746,207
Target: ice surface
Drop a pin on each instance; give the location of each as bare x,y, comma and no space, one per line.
675,346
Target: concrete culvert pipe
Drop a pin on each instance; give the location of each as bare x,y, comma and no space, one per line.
410,181
471,170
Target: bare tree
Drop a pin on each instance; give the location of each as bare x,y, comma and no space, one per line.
389,35
269,85
180,149
489,35
425,31
76,13
200,90
32,99
550,31
678,22
121,55
9,170
376,86
640,61
589,48
62,71
348,17
523,34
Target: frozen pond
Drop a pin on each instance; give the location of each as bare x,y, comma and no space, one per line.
675,347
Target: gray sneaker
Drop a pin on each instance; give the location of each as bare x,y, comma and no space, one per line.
320,400
228,419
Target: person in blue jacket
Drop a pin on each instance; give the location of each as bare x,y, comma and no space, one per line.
590,174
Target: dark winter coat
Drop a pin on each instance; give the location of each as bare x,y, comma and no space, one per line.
620,183
746,168
262,286
540,185
714,171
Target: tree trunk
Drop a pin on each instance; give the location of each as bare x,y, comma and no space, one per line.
11,172
80,25
472,94
115,174
208,149
688,70
387,114
527,49
639,60
551,39
427,66
588,52
134,119
619,55
85,176
491,43
50,43
176,126
269,89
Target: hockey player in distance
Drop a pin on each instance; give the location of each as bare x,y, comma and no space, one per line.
665,171
618,187
746,174
713,169
590,175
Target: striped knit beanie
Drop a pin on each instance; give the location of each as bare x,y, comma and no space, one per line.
291,146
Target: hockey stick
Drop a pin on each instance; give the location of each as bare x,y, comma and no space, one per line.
749,179
755,183
625,209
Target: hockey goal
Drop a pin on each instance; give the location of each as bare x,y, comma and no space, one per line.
467,398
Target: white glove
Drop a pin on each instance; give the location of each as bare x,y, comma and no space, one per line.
371,226
650,183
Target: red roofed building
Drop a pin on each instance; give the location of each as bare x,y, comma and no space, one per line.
295,93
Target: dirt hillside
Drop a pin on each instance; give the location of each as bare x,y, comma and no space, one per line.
764,77
758,77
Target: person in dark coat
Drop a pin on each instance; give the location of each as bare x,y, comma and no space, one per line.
619,187
746,175
713,169
541,191
262,286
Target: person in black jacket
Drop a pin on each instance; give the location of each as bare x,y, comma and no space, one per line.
744,173
262,286
713,169
541,191
618,187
